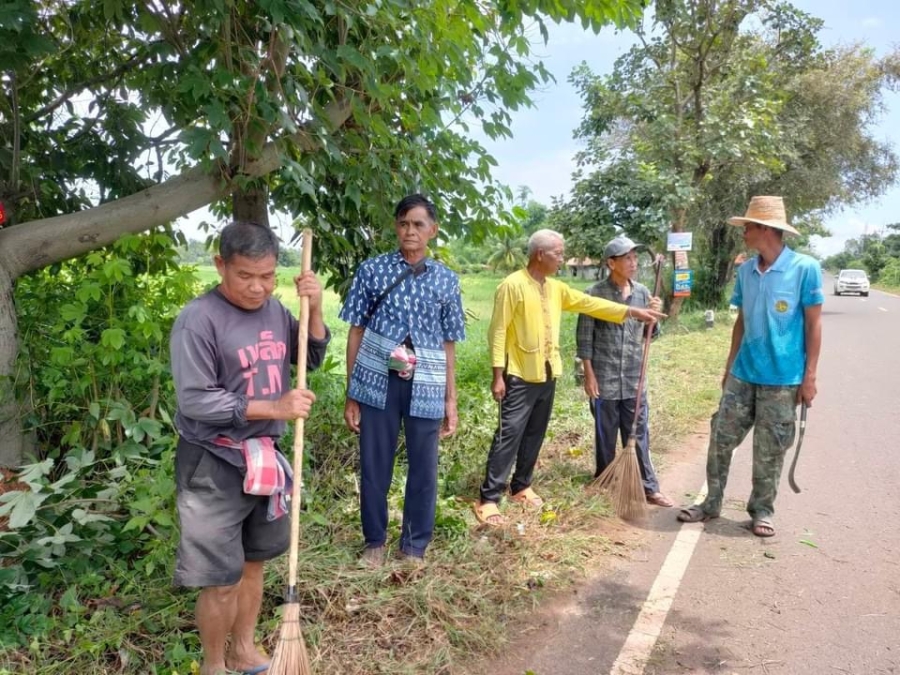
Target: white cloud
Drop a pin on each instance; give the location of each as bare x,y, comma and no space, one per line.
841,230
548,175
871,22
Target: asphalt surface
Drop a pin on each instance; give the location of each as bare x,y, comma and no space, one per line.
820,597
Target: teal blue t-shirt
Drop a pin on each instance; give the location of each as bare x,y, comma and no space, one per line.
773,350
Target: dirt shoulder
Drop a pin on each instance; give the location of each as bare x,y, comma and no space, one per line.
579,631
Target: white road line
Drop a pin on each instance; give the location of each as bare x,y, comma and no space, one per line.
647,627
883,309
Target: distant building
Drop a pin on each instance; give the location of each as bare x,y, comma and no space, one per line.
583,268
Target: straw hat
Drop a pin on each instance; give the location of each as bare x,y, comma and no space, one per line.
768,211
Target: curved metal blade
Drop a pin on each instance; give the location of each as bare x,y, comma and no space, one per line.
791,481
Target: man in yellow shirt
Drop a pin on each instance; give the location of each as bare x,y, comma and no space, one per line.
524,342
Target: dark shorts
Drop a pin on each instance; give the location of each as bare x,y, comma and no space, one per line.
221,526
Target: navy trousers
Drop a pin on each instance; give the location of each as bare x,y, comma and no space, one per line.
612,420
379,431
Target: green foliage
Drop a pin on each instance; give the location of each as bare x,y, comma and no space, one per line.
195,252
91,524
85,567
349,106
874,260
721,101
95,335
890,273
873,252
507,252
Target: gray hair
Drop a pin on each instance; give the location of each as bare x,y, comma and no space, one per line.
542,240
247,240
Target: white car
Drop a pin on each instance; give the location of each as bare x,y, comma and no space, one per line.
851,281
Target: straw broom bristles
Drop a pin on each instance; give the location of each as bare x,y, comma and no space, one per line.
622,481
290,657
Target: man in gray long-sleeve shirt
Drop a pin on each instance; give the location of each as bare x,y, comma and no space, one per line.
611,355
231,352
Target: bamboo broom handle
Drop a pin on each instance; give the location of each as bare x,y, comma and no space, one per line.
302,339
646,352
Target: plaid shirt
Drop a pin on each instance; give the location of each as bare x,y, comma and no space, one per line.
268,472
614,350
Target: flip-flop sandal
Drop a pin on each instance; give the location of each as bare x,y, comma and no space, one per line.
659,499
256,670
762,527
486,511
528,497
694,514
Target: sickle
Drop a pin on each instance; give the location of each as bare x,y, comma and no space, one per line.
791,481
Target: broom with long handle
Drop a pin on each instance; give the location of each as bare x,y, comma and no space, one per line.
290,657
622,478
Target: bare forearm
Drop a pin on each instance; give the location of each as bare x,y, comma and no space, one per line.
813,335
737,335
262,410
317,328
450,353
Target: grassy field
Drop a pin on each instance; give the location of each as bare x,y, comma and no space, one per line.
399,620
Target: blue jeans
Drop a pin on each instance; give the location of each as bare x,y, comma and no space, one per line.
612,420
379,431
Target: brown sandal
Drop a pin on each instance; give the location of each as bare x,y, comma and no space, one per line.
487,513
694,514
527,497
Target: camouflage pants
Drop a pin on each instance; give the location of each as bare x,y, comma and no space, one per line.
771,412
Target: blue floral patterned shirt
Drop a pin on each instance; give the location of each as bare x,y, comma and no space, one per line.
427,307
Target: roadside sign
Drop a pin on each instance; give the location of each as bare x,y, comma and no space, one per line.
679,241
684,279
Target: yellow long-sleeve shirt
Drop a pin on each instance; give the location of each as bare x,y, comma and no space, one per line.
524,330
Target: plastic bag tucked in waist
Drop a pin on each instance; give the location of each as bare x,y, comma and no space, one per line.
403,360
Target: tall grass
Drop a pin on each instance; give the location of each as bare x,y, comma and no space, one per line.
402,620
398,620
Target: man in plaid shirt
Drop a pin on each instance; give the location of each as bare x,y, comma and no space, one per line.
611,354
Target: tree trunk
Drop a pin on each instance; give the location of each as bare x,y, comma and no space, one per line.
674,305
31,246
251,205
11,438
724,250
715,268
36,244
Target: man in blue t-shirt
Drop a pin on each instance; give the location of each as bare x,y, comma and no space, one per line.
772,363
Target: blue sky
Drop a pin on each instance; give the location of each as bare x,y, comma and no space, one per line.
540,154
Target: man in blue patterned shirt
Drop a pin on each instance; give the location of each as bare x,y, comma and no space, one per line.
405,315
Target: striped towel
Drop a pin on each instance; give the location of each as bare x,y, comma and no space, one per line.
268,472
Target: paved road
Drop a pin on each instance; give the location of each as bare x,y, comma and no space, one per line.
823,595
